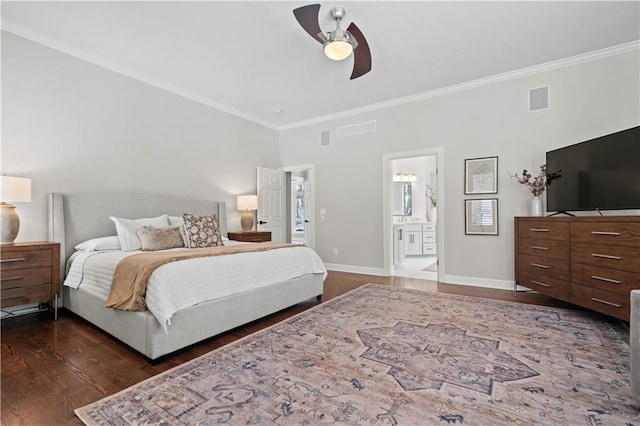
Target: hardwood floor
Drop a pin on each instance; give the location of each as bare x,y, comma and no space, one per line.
49,367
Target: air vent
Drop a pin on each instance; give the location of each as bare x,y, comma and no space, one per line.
356,129
325,138
539,98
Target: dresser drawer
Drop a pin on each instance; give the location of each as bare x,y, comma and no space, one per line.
607,256
614,304
542,266
560,289
617,233
543,229
544,248
12,260
430,227
621,282
24,277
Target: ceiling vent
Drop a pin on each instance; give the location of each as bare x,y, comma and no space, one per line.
356,129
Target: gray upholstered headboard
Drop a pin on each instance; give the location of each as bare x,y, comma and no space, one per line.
74,218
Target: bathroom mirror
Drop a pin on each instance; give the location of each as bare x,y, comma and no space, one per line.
401,198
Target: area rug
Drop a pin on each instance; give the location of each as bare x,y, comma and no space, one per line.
383,355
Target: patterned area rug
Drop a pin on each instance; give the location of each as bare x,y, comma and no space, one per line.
382,355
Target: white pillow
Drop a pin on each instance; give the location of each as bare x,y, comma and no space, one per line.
127,230
176,221
101,243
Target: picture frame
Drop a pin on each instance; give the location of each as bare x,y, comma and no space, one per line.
481,216
481,175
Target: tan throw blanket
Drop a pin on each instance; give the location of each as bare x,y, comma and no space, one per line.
129,283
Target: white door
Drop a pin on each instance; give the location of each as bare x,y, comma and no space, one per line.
271,203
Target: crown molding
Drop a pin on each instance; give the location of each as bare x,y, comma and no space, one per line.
121,69
128,72
548,66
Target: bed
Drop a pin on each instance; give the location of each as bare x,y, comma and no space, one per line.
75,218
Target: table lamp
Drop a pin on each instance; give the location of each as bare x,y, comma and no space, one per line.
247,203
14,190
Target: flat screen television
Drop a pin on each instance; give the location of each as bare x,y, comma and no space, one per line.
598,174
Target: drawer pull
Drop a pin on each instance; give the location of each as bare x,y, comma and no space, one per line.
12,279
537,265
615,234
608,280
539,283
615,305
17,259
606,256
539,229
539,248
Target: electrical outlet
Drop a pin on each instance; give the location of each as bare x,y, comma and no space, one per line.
335,251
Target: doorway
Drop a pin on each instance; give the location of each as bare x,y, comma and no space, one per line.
413,231
300,201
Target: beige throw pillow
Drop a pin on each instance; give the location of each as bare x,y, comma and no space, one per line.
160,237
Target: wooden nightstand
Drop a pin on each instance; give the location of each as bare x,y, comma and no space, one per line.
251,236
30,274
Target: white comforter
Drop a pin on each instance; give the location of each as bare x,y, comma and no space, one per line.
178,285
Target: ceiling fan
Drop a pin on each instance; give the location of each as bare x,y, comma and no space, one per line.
337,44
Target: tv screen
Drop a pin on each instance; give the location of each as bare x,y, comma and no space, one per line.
599,174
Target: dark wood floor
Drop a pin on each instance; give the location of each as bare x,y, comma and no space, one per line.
49,367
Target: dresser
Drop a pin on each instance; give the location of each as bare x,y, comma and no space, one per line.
251,236
30,274
593,262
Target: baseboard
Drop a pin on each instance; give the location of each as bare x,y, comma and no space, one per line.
354,269
448,279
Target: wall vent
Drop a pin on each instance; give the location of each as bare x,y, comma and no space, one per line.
539,98
325,138
356,129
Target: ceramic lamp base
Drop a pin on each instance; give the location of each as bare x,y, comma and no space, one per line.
246,221
9,223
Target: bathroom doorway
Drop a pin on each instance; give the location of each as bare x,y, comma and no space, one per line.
412,226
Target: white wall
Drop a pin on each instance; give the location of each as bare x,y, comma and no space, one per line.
72,126
587,100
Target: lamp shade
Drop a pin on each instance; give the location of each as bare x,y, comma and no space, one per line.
247,202
15,189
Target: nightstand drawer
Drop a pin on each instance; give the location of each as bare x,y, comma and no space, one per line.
25,277
25,259
251,236
25,295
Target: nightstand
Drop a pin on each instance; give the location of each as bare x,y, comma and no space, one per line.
30,274
251,236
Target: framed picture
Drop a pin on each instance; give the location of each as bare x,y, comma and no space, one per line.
481,175
481,216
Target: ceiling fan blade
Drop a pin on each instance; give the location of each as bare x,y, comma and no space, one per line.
361,54
307,17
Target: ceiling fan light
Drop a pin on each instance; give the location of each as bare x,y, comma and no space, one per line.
337,50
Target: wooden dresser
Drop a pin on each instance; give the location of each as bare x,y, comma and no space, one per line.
30,274
592,262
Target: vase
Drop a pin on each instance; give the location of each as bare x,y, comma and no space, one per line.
536,206
433,213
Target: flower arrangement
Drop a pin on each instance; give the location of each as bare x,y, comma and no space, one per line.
537,185
432,195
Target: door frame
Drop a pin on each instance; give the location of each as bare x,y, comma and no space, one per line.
387,210
310,200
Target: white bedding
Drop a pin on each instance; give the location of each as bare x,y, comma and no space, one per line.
178,285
